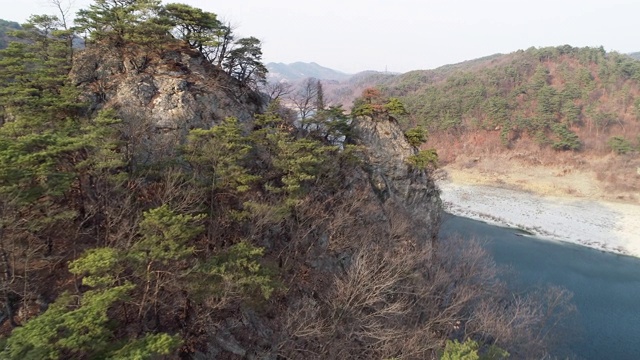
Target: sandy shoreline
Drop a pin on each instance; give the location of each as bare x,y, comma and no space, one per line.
608,226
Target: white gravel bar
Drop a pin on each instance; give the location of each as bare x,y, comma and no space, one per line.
608,226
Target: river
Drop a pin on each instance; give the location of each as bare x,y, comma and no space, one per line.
606,286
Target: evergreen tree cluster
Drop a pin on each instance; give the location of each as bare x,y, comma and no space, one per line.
151,25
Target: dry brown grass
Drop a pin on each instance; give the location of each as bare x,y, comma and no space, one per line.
481,159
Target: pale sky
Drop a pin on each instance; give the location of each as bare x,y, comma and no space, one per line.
403,35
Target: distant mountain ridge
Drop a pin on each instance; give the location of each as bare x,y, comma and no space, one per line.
635,55
300,70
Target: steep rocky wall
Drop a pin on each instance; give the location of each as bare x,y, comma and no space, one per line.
161,96
386,151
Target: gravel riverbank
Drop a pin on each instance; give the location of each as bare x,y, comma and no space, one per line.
608,226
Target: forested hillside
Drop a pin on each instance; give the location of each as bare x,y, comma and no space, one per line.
153,204
543,105
566,98
5,28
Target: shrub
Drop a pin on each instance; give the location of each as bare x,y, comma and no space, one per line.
395,107
620,145
470,350
416,136
567,139
424,160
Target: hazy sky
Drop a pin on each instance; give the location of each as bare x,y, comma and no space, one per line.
403,35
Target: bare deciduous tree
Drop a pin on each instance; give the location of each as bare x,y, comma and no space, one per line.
305,99
395,297
277,90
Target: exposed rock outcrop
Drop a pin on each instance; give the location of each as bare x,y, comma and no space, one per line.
397,183
161,96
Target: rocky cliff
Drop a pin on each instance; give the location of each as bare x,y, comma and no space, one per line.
386,154
160,96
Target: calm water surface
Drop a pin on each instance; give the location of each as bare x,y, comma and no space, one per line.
606,286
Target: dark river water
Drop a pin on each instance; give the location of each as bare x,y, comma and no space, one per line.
606,286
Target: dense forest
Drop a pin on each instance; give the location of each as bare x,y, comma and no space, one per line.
128,233
563,97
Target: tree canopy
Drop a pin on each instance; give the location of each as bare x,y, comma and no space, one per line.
148,23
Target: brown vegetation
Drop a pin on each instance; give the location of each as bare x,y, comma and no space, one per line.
481,157
396,295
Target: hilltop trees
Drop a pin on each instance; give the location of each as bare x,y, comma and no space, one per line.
373,103
121,21
244,62
316,118
198,28
147,23
202,30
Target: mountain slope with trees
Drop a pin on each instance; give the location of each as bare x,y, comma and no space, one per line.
5,28
557,105
152,204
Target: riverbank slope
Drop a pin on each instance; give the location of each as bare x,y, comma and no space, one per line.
536,200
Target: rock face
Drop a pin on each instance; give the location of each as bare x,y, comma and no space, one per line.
386,153
160,97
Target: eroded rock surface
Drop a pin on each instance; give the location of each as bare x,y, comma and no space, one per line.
386,153
160,97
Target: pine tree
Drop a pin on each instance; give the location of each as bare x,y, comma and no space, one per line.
39,137
118,22
295,163
219,156
45,142
80,327
200,29
244,62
